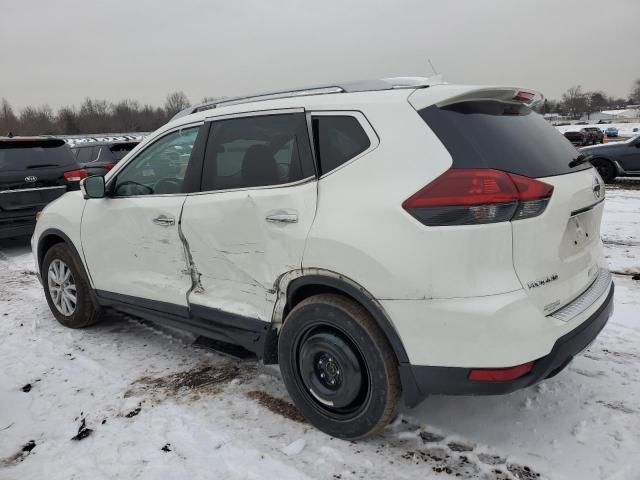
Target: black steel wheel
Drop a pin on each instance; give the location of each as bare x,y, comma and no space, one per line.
338,367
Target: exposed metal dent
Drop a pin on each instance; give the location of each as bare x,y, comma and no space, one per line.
282,284
192,269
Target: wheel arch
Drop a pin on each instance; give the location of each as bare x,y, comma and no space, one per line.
303,285
51,237
312,284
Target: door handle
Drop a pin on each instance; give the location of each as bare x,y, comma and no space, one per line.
282,217
164,221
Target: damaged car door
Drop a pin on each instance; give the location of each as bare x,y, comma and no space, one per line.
131,238
250,222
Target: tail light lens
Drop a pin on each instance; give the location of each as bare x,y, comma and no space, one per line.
109,166
524,97
75,175
478,196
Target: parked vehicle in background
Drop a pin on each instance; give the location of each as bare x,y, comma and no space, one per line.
581,137
611,132
100,157
597,135
616,159
33,172
379,240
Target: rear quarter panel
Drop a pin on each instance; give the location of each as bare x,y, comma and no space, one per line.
362,232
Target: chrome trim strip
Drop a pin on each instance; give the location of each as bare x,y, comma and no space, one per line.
265,187
598,288
34,189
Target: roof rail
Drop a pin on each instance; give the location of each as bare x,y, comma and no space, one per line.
347,87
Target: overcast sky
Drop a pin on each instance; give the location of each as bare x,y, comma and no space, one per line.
59,52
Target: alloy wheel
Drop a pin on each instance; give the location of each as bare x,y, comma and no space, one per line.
62,287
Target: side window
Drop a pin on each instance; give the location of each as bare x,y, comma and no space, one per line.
160,168
338,138
257,151
84,154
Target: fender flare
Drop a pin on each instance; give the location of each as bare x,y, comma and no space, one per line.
74,251
58,233
363,297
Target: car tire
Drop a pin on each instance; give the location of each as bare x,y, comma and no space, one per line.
62,274
605,168
339,367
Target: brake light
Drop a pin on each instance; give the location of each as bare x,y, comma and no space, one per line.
109,166
75,175
478,196
501,374
524,97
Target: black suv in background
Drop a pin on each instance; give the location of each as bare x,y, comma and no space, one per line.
100,157
597,135
586,136
33,172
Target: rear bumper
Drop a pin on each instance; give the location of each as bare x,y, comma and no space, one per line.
455,380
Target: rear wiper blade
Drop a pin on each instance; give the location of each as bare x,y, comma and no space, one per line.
580,159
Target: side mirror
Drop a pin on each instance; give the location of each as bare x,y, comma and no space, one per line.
93,187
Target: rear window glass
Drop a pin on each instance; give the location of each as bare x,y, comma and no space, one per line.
119,150
338,138
19,155
503,136
84,154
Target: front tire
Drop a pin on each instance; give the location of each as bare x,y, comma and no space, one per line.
338,367
66,288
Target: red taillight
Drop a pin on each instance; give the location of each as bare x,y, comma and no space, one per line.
475,196
75,175
524,97
501,374
109,166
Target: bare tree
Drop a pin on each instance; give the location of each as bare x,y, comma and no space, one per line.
598,101
635,92
575,101
8,120
176,102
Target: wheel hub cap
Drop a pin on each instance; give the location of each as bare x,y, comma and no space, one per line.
62,287
331,370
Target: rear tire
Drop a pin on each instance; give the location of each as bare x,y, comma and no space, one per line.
605,168
338,367
66,288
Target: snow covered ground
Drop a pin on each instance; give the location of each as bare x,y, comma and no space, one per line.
129,400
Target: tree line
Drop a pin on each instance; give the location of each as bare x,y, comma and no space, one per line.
92,116
100,116
576,102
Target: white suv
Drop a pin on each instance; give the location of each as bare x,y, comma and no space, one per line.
376,239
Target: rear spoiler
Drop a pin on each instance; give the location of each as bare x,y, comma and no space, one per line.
524,96
30,142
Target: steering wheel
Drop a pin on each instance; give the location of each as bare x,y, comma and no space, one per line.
148,189
168,185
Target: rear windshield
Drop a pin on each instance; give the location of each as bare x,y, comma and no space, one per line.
503,136
119,150
19,155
